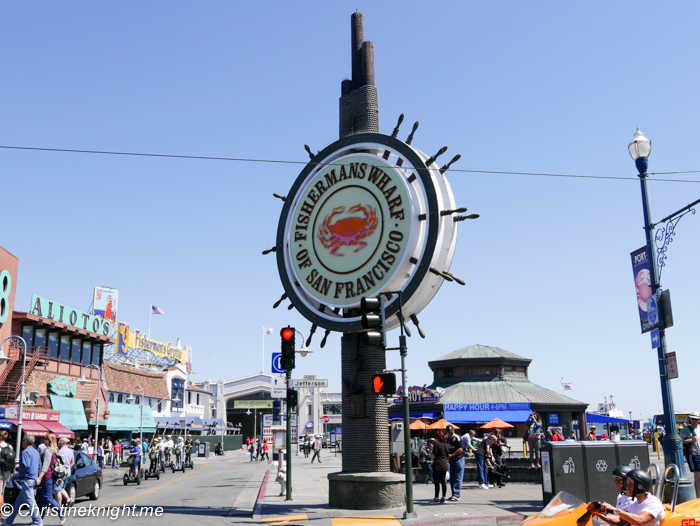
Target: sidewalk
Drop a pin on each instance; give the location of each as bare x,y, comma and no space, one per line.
477,507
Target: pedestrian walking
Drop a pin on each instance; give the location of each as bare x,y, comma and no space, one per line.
440,454
108,452
251,450
7,464
47,478
456,460
69,458
264,452
101,453
317,450
116,453
29,466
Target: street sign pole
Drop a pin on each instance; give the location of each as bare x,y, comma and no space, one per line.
289,442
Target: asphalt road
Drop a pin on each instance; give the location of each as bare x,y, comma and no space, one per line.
201,496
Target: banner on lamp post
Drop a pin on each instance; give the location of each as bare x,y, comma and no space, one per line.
641,267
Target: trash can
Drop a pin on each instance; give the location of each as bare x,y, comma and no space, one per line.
584,469
203,449
562,470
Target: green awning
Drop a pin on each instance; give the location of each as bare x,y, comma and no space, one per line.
72,412
127,417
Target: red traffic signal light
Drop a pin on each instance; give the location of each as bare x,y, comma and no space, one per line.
287,334
384,384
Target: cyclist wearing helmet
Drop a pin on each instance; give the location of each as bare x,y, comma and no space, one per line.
620,476
644,510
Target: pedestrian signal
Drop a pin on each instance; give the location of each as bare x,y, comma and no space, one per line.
384,384
292,398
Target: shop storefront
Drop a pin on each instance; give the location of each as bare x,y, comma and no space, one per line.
125,420
36,422
72,412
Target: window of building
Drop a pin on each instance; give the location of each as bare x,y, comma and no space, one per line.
448,372
138,400
75,346
96,354
111,397
40,337
87,346
64,350
160,406
311,410
150,402
515,370
119,398
28,335
189,397
197,398
177,392
53,344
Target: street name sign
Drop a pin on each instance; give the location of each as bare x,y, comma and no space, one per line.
279,388
309,383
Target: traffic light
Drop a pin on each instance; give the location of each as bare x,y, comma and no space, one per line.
288,348
292,398
384,384
372,310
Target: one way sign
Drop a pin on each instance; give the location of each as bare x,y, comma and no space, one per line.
279,388
655,339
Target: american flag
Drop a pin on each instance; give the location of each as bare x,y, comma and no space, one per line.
156,310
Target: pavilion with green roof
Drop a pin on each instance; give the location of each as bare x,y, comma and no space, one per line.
479,383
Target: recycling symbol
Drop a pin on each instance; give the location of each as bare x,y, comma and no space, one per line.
601,466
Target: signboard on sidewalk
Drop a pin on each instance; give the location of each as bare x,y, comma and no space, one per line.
267,420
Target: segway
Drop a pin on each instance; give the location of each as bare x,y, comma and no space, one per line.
154,468
188,457
167,462
176,452
129,476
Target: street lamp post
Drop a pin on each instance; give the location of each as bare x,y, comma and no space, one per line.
132,398
640,149
23,345
82,381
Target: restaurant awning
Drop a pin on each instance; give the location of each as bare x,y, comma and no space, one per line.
30,427
127,417
195,423
72,412
592,418
59,429
5,424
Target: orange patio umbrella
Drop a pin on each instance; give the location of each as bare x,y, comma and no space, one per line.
496,423
418,425
441,424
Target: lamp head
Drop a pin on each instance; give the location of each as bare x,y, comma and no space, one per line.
640,149
304,351
131,398
82,380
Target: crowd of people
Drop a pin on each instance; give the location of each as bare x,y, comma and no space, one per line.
445,455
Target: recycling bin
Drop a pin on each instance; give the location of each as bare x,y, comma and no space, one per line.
600,459
633,453
203,449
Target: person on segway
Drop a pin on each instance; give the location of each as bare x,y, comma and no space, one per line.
134,474
188,451
154,457
178,450
168,449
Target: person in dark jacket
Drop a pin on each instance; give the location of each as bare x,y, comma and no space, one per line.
29,467
441,451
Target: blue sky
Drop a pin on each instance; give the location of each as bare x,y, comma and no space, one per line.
538,87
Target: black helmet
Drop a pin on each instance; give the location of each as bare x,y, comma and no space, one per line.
642,481
621,471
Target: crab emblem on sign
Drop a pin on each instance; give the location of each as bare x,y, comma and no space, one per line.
348,231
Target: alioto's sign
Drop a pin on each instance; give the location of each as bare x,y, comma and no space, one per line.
55,311
363,218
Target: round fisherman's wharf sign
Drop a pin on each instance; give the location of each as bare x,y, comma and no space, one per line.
363,218
351,229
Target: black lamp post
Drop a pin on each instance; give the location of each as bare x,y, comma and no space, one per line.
640,149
